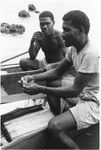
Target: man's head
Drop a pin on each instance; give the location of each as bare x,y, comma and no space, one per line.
46,19
76,27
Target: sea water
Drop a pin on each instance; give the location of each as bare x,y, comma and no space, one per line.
11,45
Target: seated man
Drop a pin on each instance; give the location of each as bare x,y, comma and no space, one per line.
75,104
49,40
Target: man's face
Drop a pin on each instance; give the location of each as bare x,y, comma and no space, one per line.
46,25
71,34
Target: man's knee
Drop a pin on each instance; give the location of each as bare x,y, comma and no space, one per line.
53,127
23,64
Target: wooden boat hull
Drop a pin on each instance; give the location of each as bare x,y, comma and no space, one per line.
88,139
11,92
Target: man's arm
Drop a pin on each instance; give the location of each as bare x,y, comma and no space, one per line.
50,75
33,49
34,45
52,65
74,90
55,73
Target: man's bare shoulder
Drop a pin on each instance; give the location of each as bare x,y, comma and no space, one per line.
57,33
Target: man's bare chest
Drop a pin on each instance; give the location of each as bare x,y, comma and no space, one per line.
50,46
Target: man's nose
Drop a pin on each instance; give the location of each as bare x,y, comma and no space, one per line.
63,34
44,26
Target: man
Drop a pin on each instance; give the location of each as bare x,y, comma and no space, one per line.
79,107
49,40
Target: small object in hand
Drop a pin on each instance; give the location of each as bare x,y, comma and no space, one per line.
20,81
25,83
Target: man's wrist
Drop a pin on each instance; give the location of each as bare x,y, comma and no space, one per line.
34,77
42,89
32,40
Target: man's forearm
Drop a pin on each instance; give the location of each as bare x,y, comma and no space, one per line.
31,52
59,91
49,75
52,65
34,49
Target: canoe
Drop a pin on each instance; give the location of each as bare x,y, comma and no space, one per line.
29,131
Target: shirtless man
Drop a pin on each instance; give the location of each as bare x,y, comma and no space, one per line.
49,40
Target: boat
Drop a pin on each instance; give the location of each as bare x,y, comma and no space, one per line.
29,129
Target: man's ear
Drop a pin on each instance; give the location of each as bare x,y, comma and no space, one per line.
53,22
82,29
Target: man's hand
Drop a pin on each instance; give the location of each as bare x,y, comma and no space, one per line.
37,36
31,88
26,79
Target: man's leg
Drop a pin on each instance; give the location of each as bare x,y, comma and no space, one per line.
54,102
27,64
60,125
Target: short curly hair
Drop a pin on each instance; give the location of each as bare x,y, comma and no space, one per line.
47,14
78,19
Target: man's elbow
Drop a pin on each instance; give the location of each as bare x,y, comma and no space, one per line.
76,92
31,55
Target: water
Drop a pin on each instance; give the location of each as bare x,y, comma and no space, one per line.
13,45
